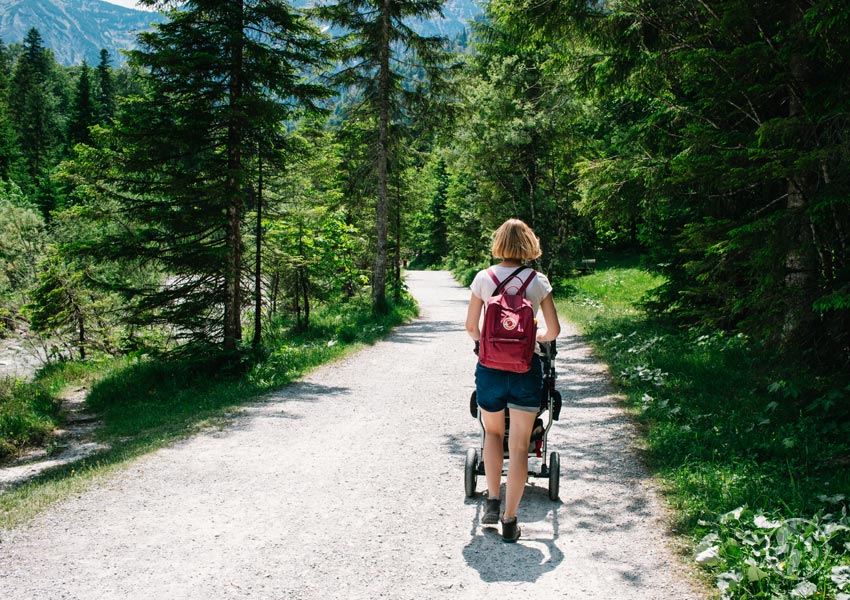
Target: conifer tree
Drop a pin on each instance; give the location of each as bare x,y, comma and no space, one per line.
9,151
83,110
220,77
378,43
34,108
105,87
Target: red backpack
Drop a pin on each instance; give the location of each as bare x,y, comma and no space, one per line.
509,332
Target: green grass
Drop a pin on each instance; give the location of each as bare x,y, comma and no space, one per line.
737,437
28,413
146,404
30,410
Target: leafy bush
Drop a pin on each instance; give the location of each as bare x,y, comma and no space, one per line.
28,413
756,556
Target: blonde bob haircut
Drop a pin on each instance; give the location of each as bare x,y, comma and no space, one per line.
515,240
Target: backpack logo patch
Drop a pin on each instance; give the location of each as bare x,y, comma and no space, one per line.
509,323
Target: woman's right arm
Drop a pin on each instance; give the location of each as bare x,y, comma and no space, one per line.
473,317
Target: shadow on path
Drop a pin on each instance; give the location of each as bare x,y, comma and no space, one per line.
532,556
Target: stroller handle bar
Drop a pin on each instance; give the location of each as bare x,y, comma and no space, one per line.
548,349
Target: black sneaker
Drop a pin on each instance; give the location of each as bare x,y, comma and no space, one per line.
491,513
510,530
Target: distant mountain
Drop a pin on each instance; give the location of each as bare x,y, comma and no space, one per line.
78,29
75,29
456,14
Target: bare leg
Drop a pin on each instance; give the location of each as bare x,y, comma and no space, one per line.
494,454
522,423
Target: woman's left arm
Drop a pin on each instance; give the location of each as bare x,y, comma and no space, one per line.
550,317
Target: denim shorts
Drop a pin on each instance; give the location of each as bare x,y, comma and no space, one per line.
495,389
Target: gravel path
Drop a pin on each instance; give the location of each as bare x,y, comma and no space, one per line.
349,485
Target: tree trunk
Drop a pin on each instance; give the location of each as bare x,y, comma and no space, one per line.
299,273
81,325
297,299
800,262
258,287
233,188
397,289
379,279
305,294
275,290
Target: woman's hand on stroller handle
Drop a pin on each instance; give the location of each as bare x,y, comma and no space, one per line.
547,348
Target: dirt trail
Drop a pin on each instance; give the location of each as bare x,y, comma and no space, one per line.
349,485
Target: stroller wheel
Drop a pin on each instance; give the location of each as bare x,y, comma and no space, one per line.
470,475
554,475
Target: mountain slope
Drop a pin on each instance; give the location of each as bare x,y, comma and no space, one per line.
78,29
74,29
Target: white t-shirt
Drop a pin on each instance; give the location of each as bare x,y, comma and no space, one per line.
483,285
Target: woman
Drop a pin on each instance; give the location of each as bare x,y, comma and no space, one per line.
497,391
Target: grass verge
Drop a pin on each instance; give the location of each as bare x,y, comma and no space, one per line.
28,413
146,404
30,410
753,452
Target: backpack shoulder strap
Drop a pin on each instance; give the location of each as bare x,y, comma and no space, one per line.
521,291
511,276
492,275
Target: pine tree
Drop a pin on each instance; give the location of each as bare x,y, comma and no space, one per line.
105,88
34,111
83,110
378,42
183,173
9,149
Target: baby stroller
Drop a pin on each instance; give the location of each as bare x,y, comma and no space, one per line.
550,406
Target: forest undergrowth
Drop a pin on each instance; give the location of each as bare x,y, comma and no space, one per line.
752,449
145,403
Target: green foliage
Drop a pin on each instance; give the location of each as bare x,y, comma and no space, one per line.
170,182
728,424
105,88
28,413
312,244
376,45
429,226
335,328
709,134
22,238
31,410
37,96
66,302
83,111
755,556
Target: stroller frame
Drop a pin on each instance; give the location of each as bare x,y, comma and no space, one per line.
550,405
